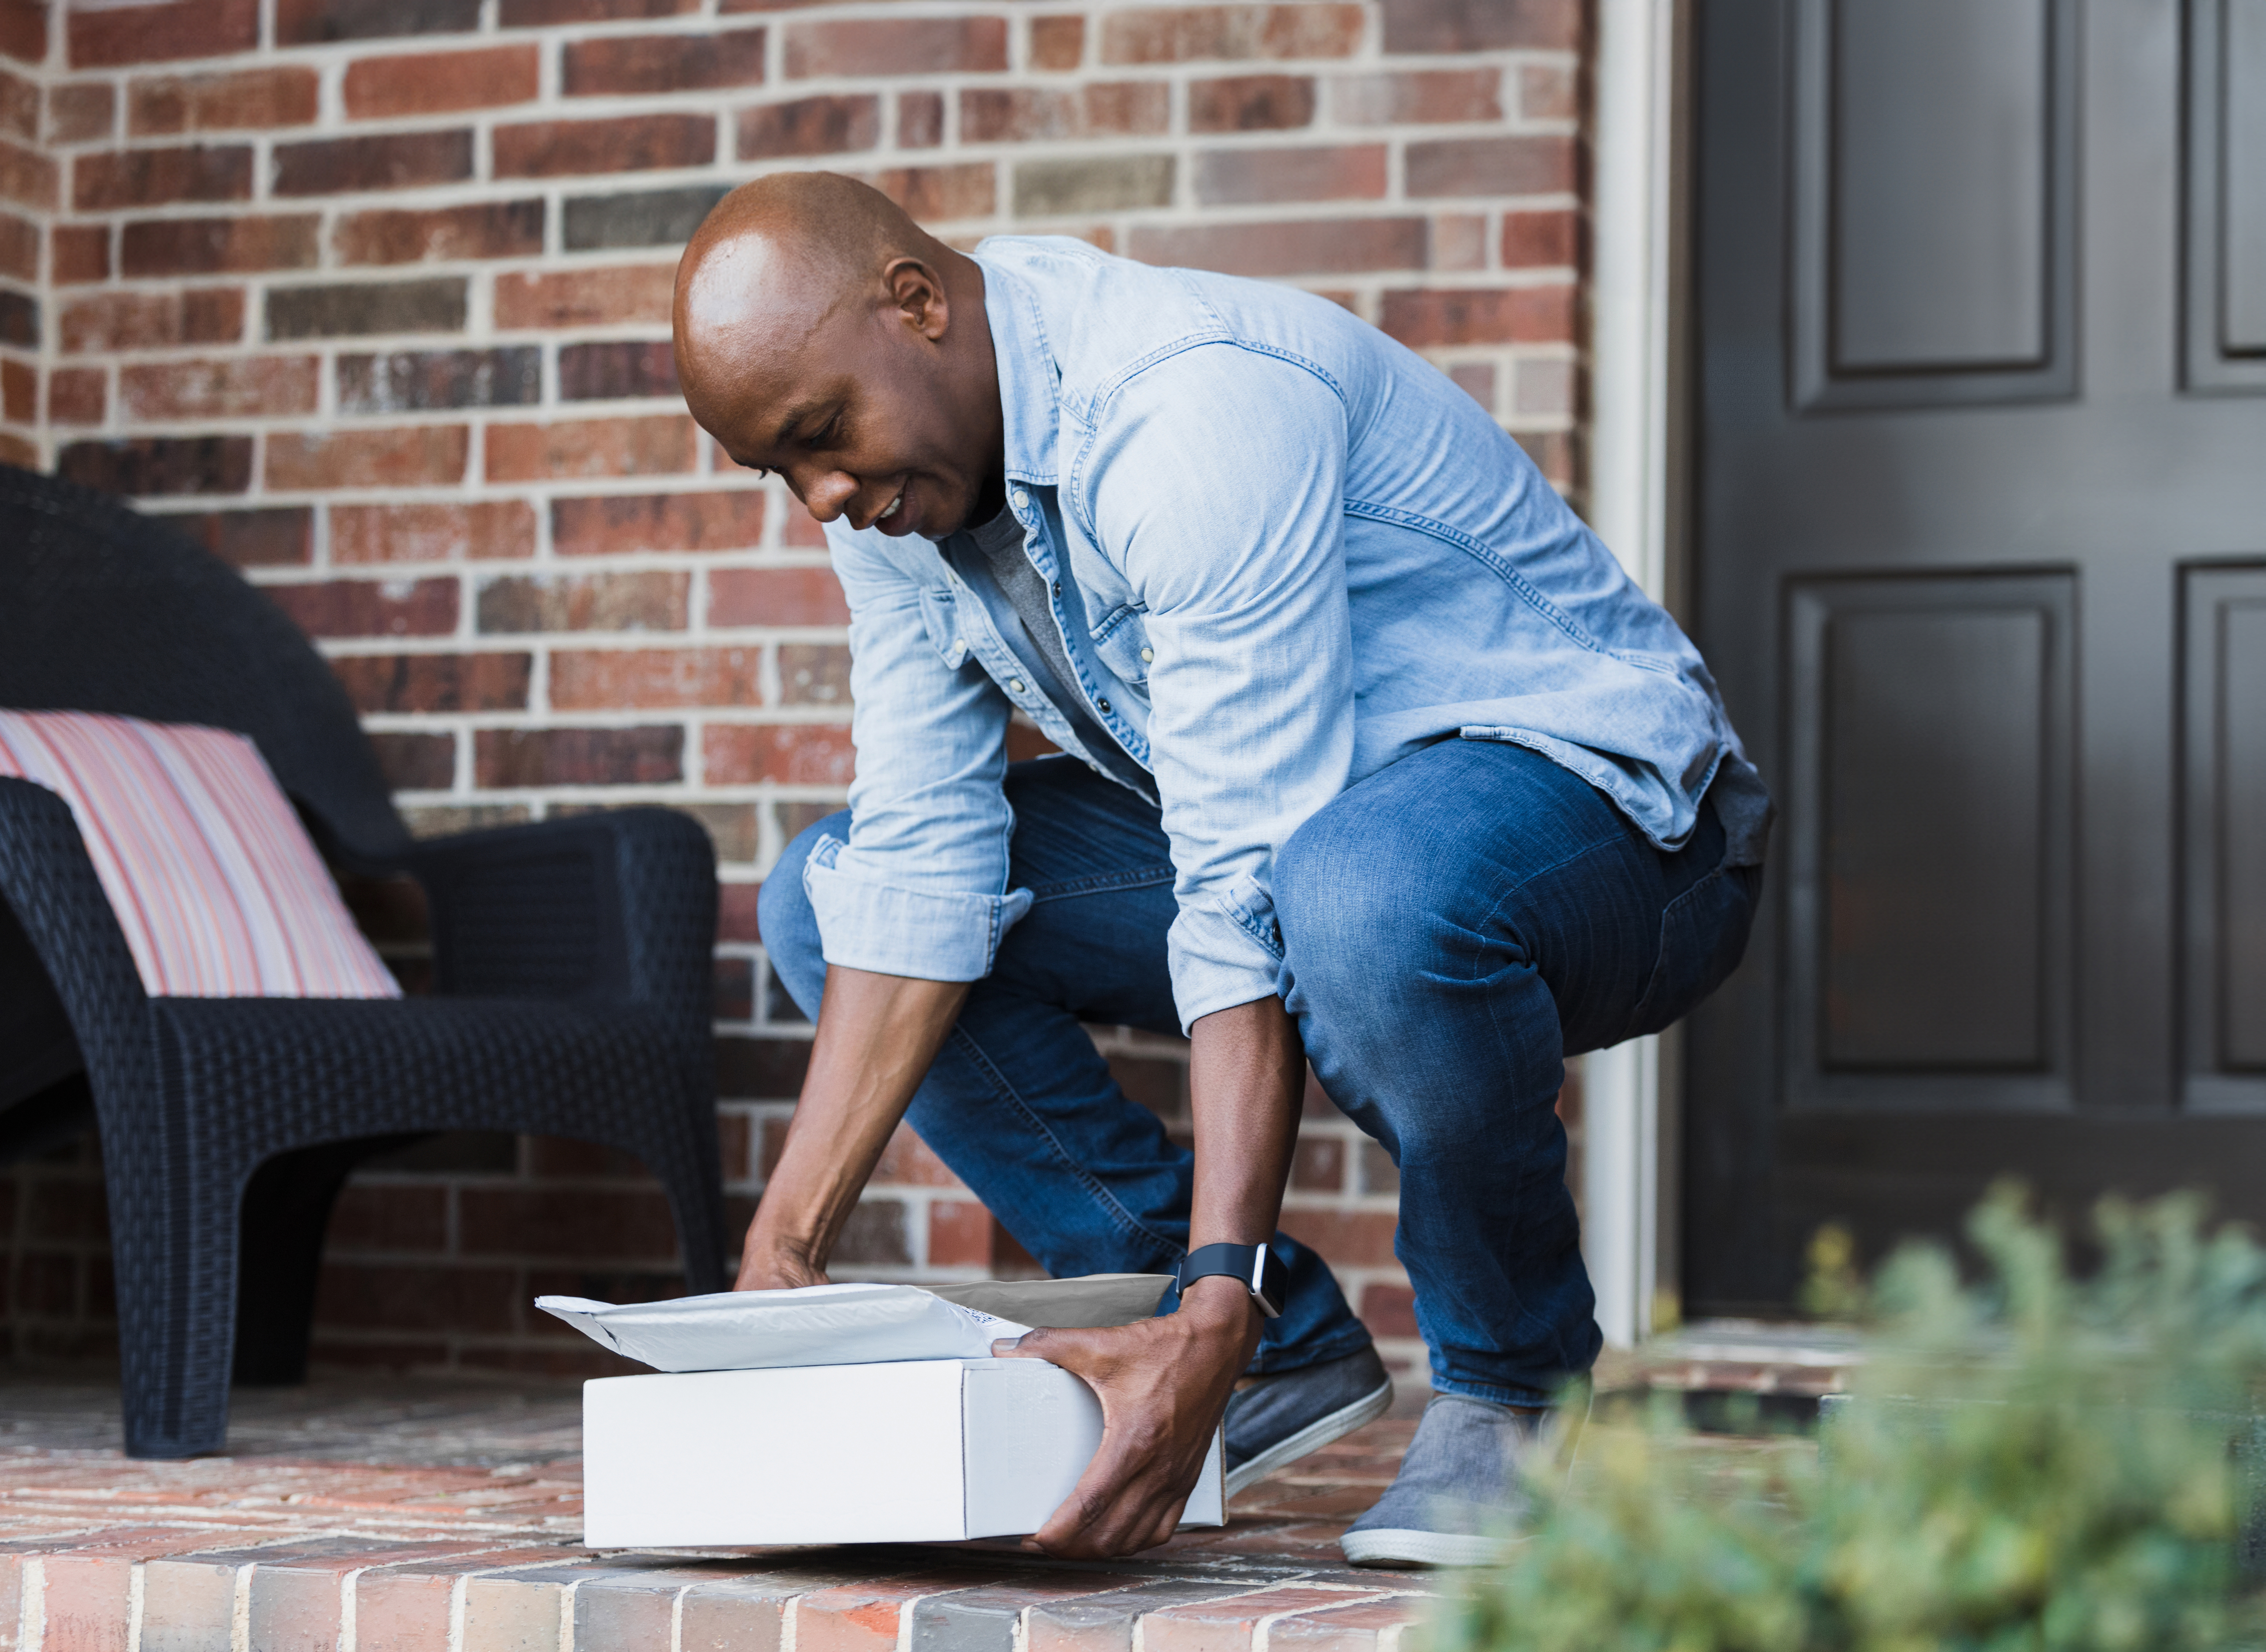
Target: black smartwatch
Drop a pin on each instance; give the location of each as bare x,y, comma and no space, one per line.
1257,1266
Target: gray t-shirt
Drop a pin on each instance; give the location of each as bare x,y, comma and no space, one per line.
992,553
999,548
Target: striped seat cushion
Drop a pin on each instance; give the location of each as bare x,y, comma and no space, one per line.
214,882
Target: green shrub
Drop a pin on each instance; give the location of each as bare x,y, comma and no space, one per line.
2033,1462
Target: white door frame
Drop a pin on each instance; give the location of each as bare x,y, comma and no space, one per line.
1632,476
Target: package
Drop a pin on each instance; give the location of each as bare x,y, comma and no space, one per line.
845,1413
853,1324
905,1452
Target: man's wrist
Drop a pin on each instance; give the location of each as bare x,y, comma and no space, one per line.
1217,1299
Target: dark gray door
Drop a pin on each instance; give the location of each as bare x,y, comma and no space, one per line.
1980,561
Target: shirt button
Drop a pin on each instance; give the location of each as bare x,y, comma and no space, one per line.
1015,683
1147,654
960,642
1020,498
1104,705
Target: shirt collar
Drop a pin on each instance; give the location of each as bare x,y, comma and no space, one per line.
1030,383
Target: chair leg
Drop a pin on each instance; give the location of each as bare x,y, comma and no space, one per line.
173,1247
286,1211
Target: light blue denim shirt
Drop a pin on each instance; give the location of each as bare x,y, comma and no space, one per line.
1283,552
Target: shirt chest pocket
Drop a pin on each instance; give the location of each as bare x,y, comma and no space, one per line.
1120,642
940,619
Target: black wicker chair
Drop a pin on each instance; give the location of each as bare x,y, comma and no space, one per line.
572,973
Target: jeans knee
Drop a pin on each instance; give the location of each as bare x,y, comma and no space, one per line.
787,922
1346,922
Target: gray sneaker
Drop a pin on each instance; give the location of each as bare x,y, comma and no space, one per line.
1456,1500
1276,1420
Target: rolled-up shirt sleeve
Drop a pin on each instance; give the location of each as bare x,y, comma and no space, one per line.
1223,494
920,887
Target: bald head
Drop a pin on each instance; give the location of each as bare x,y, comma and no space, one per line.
776,258
822,334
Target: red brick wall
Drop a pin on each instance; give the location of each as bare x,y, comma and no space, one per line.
374,295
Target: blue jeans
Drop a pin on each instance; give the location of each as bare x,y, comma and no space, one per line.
1452,928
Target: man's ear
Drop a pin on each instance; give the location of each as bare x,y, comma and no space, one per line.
918,293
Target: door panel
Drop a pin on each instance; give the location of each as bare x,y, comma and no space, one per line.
1933,234
2224,662
1961,540
1928,854
2225,320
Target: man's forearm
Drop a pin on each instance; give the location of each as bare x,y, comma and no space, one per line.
875,1039
1246,1073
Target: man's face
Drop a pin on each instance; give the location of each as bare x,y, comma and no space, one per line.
861,416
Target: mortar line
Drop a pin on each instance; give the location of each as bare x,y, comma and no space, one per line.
239,1616
31,1609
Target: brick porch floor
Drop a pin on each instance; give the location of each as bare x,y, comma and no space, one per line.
408,1515
419,1515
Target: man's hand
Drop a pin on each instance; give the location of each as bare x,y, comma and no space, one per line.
776,1271
1163,1385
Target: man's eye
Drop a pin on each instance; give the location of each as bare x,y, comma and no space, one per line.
825,439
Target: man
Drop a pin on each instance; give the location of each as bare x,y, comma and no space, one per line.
1376,760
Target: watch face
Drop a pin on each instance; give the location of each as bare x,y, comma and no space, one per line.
1272,1286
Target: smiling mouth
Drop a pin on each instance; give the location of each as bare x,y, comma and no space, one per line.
891,508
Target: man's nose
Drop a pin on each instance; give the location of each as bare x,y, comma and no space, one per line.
828,493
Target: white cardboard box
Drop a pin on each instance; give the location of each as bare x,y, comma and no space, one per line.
920,1451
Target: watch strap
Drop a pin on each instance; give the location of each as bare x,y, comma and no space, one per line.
1257,1266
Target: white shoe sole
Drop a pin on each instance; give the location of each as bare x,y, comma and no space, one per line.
1313,1437
1386,1546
